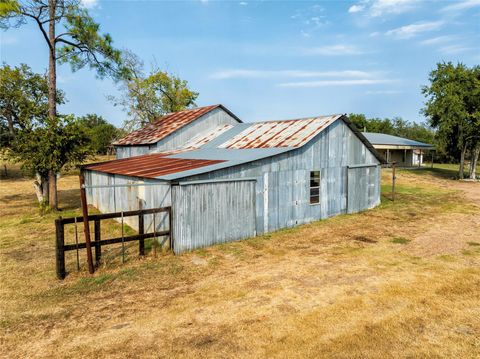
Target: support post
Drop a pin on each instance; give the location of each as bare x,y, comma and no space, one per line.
86,226
170,226
59,248
432,158
98,247
394,178
141,230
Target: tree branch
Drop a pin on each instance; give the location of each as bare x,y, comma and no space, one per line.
44,33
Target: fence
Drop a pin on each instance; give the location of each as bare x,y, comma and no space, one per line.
61,247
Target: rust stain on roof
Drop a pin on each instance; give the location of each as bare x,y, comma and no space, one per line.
150,166
203,139
163,126
290,133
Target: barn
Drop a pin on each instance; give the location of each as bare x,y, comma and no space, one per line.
234,180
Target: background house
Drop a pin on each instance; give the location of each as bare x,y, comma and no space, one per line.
238,181
403,151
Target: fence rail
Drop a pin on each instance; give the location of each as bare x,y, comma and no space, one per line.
61,247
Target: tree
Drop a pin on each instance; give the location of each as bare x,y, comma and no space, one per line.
23,104
453,107
78,43
100,132
45,148
145,98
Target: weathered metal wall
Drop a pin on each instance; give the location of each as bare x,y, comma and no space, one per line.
180,137
363,188
204,124
211,213
282,190
132,151
118,196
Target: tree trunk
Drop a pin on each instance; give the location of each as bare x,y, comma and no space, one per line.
462,162
52,189
474,162
52,95
41,189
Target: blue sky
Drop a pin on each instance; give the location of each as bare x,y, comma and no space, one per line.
275,59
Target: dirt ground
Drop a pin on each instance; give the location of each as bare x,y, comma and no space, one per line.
401,280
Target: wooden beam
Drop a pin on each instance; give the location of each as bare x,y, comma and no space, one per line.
86,226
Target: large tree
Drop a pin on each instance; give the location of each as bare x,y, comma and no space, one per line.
73,37
147,97
453,107
23,105
43,148
100,132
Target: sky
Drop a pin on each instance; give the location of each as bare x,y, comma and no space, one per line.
268,60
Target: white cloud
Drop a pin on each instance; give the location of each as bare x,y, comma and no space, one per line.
383,92
356,8
259,74
332,50
438,40
408,31
243,3
376,8
454,49
342,82
461,5
89,4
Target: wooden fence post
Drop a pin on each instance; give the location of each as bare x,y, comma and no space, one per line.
170,226
59,248
98,247
141,230
86,227
394,178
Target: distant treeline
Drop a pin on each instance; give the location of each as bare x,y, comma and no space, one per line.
395,126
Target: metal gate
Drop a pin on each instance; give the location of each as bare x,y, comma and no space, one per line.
207,213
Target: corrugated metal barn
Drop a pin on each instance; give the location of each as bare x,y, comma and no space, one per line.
235,180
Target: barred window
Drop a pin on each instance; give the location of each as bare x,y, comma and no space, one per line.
314,187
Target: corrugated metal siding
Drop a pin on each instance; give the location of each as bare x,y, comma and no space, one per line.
283,180
204,124
179,138
132,151
212,213
127,198
363,188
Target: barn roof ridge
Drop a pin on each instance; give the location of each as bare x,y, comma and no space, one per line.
168,124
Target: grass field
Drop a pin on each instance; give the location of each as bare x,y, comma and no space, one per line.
401,280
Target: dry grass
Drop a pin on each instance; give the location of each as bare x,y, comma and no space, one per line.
398,281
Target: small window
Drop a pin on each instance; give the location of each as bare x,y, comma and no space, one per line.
314,187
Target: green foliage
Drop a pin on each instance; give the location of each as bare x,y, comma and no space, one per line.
145,98
99,131
453,107
396,127
85,45
23,101
52,145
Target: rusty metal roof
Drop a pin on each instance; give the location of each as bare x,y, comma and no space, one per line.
166,125
274,134
150,166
